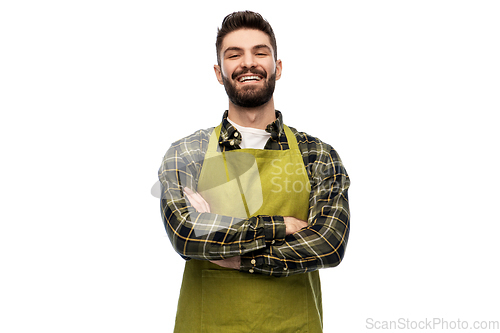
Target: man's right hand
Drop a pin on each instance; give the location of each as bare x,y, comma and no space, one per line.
293,225
197,201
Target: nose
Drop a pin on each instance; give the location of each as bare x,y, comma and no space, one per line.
248,61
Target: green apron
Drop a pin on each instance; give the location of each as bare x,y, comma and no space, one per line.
243,183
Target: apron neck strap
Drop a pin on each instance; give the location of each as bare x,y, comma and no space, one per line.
290,137
213,143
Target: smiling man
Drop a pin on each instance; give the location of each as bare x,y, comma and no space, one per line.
255,207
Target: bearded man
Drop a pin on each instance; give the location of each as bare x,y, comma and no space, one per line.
255,207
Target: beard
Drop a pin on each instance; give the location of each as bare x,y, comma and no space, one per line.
250,96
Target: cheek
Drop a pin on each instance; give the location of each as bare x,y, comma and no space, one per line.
227,70
270,67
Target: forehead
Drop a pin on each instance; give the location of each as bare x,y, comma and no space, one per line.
245,39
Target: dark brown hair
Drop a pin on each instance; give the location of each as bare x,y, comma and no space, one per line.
244,20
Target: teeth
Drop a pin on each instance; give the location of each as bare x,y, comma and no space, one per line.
250,77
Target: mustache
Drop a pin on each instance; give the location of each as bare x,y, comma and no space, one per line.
251,71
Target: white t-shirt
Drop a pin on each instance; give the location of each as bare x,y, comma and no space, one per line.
251,137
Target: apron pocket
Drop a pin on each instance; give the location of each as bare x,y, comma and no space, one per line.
236,302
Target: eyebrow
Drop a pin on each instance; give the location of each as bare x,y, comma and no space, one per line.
256,47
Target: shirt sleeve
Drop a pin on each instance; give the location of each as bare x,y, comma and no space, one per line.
322,244
206,236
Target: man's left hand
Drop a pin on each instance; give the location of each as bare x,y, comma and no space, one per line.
233,262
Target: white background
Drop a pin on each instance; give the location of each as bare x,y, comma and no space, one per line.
93,93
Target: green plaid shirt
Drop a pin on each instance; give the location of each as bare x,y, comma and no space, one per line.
259,240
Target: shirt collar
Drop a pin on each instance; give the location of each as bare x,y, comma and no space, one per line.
229,134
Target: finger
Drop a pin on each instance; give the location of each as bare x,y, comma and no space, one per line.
206,206
233,262
221,263
193,200
217,262
188,191
197,201
202,203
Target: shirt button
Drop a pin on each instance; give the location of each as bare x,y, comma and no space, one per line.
231,142
235,134
252,261
250,270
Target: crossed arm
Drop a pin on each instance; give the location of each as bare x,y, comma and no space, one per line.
292,225
271,245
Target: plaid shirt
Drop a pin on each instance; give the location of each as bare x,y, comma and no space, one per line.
259,240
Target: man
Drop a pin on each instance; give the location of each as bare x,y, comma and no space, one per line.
255,207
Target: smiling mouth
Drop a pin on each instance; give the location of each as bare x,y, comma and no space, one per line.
249,78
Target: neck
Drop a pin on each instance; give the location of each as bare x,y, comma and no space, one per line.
258,117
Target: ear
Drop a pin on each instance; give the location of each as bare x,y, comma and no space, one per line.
218,73
279,68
